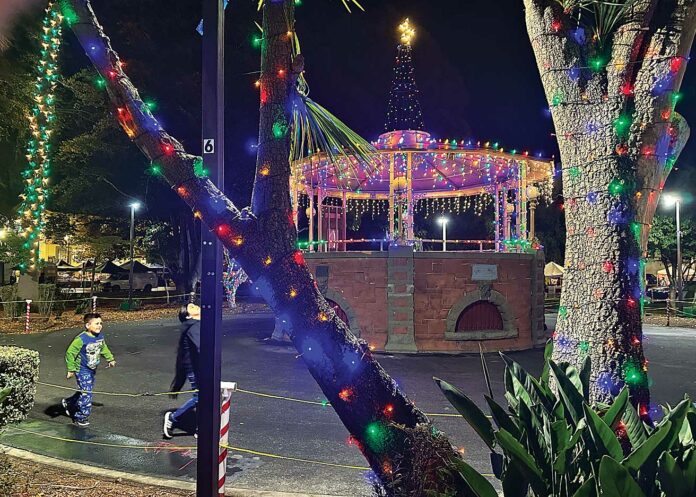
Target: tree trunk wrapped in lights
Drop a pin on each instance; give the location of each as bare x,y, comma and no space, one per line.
612,86
406,452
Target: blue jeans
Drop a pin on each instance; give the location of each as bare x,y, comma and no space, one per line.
81,402
189,404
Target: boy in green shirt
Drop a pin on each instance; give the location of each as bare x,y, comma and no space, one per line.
82,359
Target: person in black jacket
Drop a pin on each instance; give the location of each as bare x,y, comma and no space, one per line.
187,358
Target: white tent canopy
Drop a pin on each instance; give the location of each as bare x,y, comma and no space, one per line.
553,270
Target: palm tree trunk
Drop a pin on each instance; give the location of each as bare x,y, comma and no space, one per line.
619,138
404,450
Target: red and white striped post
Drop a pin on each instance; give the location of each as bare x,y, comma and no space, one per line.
226,389
26,322
94,303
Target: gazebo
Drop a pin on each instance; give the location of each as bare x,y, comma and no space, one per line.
405,299
408,169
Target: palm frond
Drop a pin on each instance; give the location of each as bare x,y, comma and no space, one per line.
315,130
608,15
605,15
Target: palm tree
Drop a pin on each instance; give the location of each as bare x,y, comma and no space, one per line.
611,72
406,452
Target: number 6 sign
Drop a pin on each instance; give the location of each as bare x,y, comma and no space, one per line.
208,146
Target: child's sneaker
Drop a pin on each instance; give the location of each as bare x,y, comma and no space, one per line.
167,427
64,403
82,424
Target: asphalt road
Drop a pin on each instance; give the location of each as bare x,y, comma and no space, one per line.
145,353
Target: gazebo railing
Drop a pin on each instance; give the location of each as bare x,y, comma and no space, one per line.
347,245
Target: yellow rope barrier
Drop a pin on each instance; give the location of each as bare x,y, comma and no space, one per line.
325,403
193,447
187,447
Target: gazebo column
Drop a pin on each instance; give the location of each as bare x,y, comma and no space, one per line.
392,209
498,217
320,220
507,214
521,200
344,221
295,199
409,197
310,217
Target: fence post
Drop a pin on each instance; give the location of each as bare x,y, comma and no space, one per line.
94,303
26,322
226,389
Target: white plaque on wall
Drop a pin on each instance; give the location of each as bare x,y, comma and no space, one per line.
484,272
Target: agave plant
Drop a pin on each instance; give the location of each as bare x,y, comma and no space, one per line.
554,443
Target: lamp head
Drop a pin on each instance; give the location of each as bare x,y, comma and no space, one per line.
670,199
134,205
442,220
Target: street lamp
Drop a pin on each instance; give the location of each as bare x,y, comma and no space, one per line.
670,200
134,206
443,221
67,248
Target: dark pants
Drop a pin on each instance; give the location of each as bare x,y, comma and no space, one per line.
189,404
80,403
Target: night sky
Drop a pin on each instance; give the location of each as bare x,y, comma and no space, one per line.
474,68
473,62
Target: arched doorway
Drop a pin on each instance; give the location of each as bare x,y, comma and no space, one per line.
483,314
480,316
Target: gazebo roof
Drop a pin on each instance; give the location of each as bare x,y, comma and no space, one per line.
439,168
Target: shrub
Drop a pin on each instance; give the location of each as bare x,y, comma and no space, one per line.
556,443
47,297
136,305
10,305
19,371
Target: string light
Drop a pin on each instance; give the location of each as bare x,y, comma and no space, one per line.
39,150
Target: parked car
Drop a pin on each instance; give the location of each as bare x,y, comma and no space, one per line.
141,281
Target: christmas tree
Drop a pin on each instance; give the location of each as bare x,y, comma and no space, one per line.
404,111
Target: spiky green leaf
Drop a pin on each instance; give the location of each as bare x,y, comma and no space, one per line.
502,418
524,462
616,481
670,477
477,484
469,410
649,450
603,437
618,407
587,489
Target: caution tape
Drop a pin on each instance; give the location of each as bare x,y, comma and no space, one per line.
324,403
160,447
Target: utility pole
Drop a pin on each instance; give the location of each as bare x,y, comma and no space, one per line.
211,264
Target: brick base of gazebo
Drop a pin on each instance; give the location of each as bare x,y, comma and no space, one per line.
409,302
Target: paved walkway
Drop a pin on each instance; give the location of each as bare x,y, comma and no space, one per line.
145,354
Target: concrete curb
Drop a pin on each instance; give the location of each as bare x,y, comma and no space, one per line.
145,480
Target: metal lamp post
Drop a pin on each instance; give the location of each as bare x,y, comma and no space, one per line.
213,130
443,221
676,201
134,206
67,248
